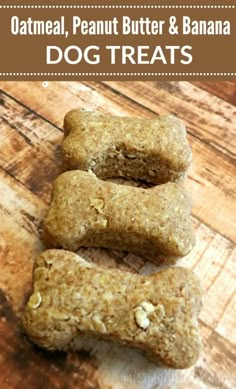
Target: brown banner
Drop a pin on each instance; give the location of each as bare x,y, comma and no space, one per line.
117,40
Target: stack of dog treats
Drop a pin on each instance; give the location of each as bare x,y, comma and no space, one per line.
73,298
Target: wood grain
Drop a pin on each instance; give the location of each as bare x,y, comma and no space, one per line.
30,134
207,174
24,365
208,118
226,90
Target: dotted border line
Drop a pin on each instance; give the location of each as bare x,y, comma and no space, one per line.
118,6
112,7
117,74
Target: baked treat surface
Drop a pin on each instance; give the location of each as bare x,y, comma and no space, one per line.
154,150
72,298
85,211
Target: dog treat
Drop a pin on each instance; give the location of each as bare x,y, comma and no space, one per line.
85,211
157,314
153,150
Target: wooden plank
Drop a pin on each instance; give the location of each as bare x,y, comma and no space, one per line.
30,149
208,118
107,363
21,213
226,90
226,323
21,243
213,370
24,365
23,206
212,171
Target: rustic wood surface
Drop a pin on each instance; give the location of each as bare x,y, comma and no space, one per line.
31,115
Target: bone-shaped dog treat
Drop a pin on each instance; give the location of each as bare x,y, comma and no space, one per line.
85,211
157,314
153,150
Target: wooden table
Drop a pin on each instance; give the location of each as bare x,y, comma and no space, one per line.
31,115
